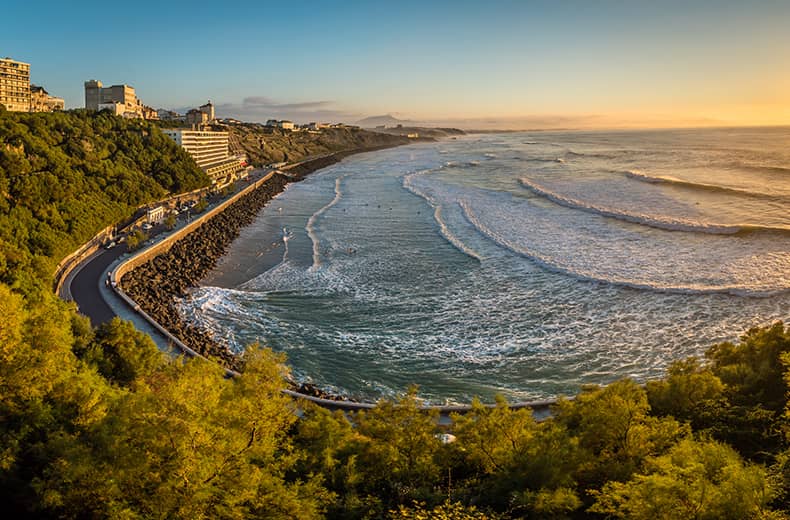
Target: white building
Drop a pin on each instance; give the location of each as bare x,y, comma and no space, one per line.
284,124
120,99
41,101
211,153
155,215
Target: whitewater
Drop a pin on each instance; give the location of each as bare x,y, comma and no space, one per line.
520,264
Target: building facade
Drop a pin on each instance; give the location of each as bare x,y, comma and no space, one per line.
196,117
210,151
169,115
41,101
14,85
120,99
283,125
208,109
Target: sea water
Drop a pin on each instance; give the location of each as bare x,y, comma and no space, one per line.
521,264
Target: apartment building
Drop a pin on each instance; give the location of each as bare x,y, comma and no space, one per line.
210,151
14,85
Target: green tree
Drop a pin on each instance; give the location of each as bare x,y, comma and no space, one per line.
687,387
752,369
398,446
122,354
189,444
446,511
616,431
45,393
170,221
136,239
513,464
201,206
694,480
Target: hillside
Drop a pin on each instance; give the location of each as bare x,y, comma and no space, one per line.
265,146
66,175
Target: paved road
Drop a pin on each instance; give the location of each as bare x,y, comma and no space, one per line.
85,285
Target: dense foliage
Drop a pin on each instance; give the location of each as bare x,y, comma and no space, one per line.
64,176
100,424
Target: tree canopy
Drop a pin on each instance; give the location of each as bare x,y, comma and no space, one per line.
64,176
100,424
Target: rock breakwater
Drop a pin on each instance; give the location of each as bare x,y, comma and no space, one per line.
159,283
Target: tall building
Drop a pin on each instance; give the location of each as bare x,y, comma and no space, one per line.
196,117
205,147
14,85
208,109
41,101
211,153
120,99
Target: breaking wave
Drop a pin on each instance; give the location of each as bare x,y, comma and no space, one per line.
656,221
437,215
557,266
659,179
310,227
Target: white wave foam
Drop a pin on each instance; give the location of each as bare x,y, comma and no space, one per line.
437,215
310,227
555,265
667,179
287,235
656,221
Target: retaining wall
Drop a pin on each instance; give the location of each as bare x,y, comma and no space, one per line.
68,264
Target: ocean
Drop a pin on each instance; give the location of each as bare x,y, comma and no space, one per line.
521,264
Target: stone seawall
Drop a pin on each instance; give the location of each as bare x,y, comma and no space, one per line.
154,280
157,278
151,281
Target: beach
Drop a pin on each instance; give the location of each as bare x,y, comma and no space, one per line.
437,264
160,282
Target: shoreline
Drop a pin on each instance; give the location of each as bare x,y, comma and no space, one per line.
157,283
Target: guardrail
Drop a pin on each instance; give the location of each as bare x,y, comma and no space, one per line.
541,407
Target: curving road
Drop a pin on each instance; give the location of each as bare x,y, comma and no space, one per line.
84,285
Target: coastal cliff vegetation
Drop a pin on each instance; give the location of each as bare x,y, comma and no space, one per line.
267,146
66,175
97,423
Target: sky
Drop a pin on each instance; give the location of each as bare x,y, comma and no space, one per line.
473,64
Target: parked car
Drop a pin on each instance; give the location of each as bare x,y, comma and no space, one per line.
147,226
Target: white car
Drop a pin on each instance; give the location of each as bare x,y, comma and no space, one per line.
147,226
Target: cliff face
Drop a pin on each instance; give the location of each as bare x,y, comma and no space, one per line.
265,146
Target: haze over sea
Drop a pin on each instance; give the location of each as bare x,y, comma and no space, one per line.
524,264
